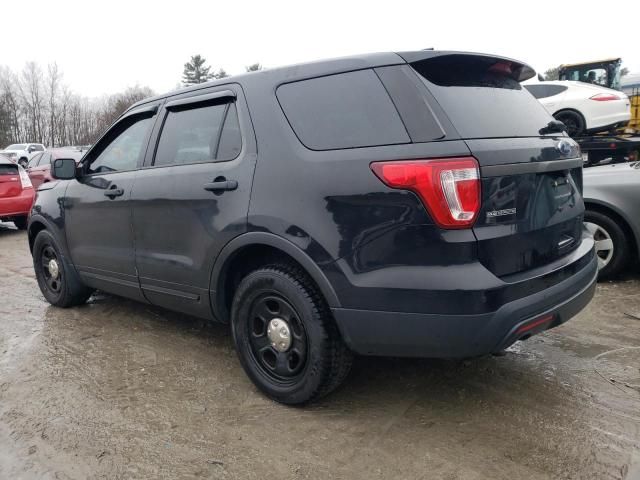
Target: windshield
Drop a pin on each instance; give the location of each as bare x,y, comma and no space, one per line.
16,146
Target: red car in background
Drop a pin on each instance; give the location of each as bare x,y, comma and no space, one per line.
16,193
39,167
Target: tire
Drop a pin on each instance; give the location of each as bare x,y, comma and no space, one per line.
573,120
612,246
62,288
21,222
315,362
23,162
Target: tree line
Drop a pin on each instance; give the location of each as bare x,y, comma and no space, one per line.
37,106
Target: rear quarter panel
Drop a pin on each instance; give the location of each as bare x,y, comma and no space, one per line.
616,187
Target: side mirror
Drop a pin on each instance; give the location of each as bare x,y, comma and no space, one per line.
31,149
63,168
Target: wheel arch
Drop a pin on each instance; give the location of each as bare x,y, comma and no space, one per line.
573,110
253,249
618,216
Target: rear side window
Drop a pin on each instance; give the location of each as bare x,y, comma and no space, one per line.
482,96
540,90
206,133
347,110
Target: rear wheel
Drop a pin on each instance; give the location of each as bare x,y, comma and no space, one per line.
58,283
20,222
285,336
573,120
612,247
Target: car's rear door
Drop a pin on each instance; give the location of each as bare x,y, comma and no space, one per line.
98,205
192,196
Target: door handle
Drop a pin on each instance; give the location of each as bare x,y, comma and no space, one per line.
220,185
114,192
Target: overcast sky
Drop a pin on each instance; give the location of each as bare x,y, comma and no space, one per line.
103,49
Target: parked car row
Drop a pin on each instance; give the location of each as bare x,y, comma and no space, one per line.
21,153
16,193
19,182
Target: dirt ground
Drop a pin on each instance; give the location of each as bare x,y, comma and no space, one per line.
116,389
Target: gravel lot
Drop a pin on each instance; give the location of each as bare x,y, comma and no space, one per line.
116,389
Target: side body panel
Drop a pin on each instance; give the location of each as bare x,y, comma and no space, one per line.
180,227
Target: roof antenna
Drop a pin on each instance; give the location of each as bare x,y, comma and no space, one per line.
430,48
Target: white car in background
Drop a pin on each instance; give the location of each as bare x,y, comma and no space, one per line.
584,108
21,153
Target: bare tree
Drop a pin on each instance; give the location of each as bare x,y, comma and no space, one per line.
37,107
31,91
53,86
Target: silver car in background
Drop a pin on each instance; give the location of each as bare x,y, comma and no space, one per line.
612,202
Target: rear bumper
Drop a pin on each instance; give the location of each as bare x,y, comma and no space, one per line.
370,332
17,206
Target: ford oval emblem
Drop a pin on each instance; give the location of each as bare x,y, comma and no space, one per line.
564,147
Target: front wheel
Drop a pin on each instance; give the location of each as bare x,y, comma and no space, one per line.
58,282
285,336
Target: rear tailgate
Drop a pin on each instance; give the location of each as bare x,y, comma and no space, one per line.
532,208
10,185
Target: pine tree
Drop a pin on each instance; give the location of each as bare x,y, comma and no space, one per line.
253,68
220,74
196,71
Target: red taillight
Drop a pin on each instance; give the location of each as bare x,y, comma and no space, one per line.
24,178
604,97
448,187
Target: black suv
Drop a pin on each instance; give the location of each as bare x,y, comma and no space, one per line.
416,204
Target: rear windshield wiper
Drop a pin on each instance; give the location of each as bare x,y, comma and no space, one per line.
554,126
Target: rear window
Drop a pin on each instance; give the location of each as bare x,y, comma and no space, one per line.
482,96
16,146
347,110
8,169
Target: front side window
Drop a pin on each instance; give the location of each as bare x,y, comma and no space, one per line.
37,148
124,148
197,135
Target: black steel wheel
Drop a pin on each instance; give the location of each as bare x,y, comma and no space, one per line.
278,339
58,282
51,271
286,338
